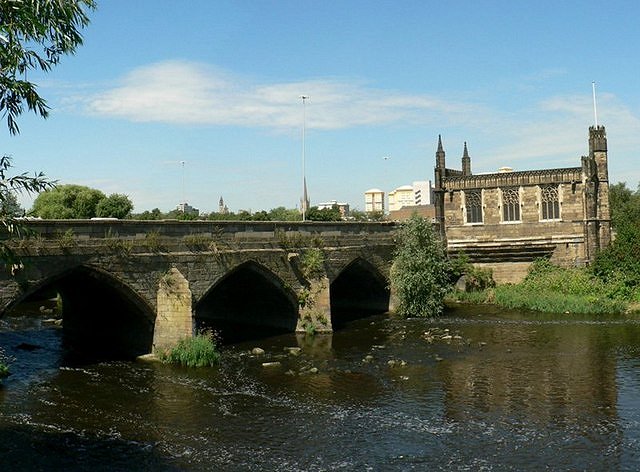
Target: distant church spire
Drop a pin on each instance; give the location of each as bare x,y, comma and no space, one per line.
222,208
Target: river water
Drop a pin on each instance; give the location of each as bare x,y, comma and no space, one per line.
480,389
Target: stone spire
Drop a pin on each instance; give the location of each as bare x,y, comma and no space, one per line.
440,162
466,161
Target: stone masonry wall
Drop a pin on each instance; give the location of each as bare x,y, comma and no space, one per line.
136,257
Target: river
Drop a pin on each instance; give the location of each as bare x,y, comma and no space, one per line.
480,389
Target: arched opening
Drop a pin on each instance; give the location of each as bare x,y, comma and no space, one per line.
101,317
359,291
249,303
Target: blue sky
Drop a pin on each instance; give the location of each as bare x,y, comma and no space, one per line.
217,83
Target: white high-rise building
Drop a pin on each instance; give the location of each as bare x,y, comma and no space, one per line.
423,192
419,193
373,200
401,197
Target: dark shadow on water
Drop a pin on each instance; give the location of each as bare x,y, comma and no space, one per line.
228,332
27,448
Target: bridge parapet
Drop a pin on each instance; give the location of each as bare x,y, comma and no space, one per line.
174,228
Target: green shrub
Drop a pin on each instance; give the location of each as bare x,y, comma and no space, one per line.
478,279
556,289
197,242
421,272
312,263
153,241
519,296
197,351
459,264
67,239
620,262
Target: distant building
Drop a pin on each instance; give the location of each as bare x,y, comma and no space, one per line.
423,192
222,208
411,199
343,208
187,209
373,200
400,197
417,194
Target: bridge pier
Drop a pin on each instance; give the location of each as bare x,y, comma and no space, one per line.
314,312
174,320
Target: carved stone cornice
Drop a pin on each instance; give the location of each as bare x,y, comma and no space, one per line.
511,179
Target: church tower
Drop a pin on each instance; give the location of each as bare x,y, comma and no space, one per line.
595,175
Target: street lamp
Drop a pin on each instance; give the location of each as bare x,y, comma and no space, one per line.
304,178
183,196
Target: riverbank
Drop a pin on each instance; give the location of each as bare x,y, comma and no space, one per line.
552,289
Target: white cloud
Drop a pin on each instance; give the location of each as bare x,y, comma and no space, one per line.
548,133
554,133
191,93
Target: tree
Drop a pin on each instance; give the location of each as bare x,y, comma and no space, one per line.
115,205
10,186
34,35
283,214
622,258
420,274
326,214
624,204
260,216
154,214
67,202
357,215
376,215
9,205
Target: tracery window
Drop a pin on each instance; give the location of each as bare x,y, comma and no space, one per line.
473,204
510,204
549,202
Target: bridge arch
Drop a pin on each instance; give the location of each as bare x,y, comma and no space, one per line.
359,290
249,302
103,317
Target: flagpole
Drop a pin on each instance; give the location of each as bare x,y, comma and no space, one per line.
595,110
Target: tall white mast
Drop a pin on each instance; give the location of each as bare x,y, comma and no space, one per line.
304,178
595,109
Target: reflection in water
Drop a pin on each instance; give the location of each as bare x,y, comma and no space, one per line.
479,389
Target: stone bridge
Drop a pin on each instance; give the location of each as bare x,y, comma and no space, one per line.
133,287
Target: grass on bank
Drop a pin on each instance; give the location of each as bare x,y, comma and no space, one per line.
554,289
198,351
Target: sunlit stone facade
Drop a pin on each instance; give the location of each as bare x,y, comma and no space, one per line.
507,219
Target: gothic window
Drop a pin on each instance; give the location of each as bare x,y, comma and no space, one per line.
510,204
549,202
473,204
